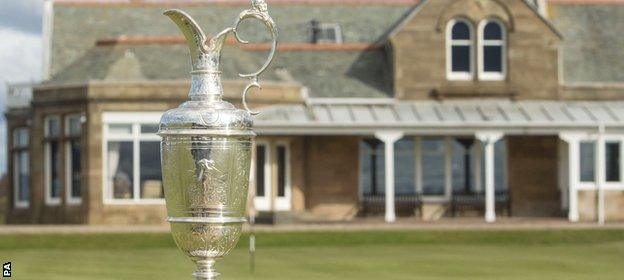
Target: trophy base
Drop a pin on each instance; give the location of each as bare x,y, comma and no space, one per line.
206,270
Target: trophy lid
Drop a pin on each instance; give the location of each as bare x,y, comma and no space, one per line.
205,113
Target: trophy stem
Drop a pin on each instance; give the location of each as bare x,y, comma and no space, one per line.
206,270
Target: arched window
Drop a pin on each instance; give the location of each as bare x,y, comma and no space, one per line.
492,50
459,53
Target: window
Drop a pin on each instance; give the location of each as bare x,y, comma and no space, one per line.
21,168
52,132
132,159
587,161
459,48
261,161
73,131
433,166
281,171
462,166
612,157
492,65
327,33
372,167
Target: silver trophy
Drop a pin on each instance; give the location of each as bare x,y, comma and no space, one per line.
206,149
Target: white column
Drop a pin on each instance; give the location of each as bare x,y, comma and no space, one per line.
489,139
389,138
573,141
601,173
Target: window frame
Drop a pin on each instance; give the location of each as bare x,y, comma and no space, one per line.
72,200
337,30
593,185
135,120
283,203
49,200
450,43
263,203
482,43
16,151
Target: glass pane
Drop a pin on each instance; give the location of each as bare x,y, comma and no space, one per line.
433,166
149,128
260,162
500,165
151,178
492,31
281,171
587,155
75,168
460,58
404,167
461,31
54,127
20,138
462,166
612,157
74,126
120,172
54,164
120,129
23,174
493,58
372,167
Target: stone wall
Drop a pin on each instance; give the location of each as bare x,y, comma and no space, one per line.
419,52
332,176
533,179
613,203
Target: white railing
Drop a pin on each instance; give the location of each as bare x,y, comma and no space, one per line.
19,95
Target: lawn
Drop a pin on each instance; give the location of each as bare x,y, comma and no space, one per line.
563,254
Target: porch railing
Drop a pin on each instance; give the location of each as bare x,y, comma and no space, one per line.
371,205
476,201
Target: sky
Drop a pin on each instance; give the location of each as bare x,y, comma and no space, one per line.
20,52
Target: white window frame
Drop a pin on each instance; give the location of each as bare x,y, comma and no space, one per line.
450,42
263,203
337,30
283,203
17,203
70,199
482,43
49,200
135,119
608,138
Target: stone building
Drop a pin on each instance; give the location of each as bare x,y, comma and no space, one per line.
372,108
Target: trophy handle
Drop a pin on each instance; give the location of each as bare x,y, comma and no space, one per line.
259,12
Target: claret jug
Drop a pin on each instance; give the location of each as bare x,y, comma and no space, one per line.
206,148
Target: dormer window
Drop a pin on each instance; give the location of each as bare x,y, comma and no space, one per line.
492,64
325,33
459,50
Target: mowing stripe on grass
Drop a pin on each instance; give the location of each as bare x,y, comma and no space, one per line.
303,239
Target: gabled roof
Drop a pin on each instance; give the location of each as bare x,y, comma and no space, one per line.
423,4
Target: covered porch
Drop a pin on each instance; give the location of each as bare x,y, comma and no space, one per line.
447,158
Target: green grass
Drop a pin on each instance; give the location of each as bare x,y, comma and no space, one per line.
562,254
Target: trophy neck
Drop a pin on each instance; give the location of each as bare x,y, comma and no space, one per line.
206,87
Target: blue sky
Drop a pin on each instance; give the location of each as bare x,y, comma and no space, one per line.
20,52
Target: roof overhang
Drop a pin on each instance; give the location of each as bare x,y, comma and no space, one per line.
458,117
